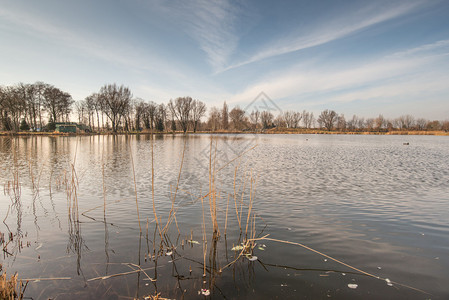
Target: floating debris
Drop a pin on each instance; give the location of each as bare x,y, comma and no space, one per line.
193,242
169,253
251,257
352,285
39,246
237,248
379,268
205,292
388,282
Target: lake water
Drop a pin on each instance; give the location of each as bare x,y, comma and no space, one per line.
70,222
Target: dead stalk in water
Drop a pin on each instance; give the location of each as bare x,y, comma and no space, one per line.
250,204
152,180
135,184
226,217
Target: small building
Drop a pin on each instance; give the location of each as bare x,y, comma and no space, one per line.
65,128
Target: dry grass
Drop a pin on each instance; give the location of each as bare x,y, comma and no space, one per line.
10,288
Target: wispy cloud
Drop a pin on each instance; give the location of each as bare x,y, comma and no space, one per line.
329,30
89,45
211,23
399,74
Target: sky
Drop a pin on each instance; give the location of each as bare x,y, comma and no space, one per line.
355,57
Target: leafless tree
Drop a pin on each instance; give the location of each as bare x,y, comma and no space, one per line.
307,119
237,116
254,118
267,119
279,121
360,123
327,119
94,104
198,111
80,107
434,125
369,124
214,119
352,123
421,123
291,119
160,117
380,122
181,108
115,101
341,122
57,103
406,121
225,116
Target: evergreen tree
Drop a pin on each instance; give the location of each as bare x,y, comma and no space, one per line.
24,125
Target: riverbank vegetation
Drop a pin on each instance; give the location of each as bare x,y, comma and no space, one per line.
37,107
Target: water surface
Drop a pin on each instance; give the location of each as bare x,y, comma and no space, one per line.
369,201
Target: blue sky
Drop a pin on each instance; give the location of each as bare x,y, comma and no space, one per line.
355,57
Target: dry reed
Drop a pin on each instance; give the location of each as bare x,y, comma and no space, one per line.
11,288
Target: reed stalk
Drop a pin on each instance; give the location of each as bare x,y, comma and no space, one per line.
152,180
250,205
226,217
135,184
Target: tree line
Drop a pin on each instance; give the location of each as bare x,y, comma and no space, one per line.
38,106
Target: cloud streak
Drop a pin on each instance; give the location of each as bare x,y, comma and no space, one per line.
211,23
420,71
330,31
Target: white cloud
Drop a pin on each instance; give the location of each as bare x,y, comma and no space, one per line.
391,76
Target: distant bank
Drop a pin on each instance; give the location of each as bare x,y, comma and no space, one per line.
268,131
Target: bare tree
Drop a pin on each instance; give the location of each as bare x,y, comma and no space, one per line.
214,119
237,116
198,111
380,122
267,119
434,125
94,104
254,118
115,101
280,122
370,123
181,108
352,123
57,103
225,116
341,122
160,117
307,119
289,119
80,107
327,119
406,121
421,124
40,94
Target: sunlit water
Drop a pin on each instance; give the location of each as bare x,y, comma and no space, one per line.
368,201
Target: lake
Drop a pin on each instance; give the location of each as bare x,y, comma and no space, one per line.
319,216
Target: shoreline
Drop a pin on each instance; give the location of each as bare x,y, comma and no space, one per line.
269,131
